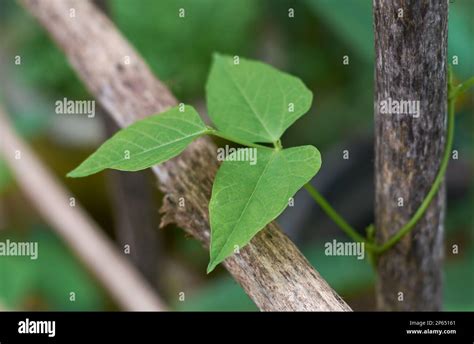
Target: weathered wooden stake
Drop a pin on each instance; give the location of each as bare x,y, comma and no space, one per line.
410,67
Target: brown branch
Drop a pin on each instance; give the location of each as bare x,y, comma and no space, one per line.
271,269
411,60
80,233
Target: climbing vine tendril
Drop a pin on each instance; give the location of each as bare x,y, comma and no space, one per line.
376,250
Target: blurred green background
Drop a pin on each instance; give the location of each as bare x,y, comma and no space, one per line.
311,45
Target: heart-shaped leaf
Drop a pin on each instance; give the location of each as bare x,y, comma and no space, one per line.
146,143
246,197
253,101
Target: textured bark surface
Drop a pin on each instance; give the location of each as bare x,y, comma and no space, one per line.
410,65
271,269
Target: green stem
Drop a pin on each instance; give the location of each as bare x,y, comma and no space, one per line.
214,132
434,188
461,88
329,210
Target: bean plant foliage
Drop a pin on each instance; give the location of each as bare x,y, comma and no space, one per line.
250,103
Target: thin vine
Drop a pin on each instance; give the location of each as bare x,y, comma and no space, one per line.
377,250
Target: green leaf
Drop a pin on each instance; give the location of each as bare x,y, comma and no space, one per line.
246,197
254,101
146,143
